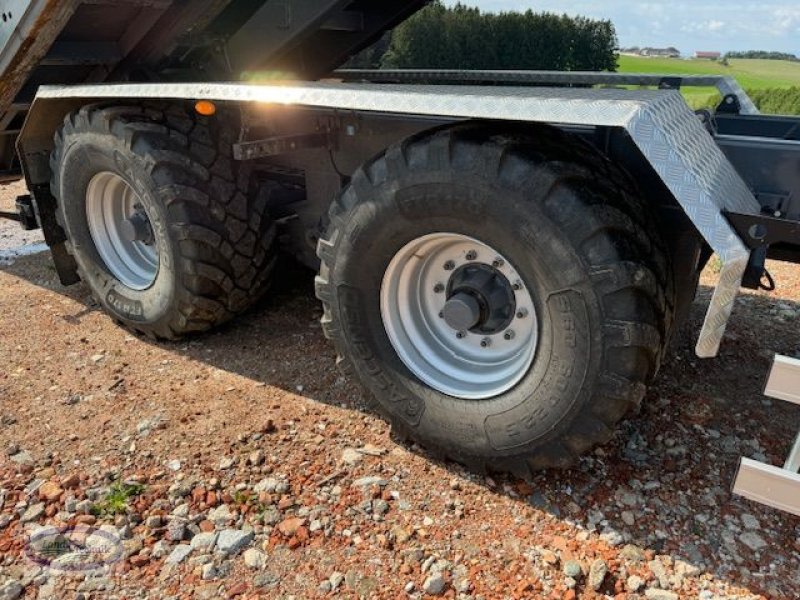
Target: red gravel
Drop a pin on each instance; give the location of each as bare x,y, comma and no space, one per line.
93,404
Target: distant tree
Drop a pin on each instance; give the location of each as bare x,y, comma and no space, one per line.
371,57
461,37
763,54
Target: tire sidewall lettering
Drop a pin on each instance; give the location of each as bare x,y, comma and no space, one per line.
409,408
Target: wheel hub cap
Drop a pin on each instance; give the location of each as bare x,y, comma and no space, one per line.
121,231
462,311
459,316
137,229
491,292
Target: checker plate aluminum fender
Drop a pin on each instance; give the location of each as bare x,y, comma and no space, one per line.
725,84
660,123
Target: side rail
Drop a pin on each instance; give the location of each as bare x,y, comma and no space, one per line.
775,486
727,86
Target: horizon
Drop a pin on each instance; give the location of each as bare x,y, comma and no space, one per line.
706,25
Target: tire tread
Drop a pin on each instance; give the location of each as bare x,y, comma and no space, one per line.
611,226
225,261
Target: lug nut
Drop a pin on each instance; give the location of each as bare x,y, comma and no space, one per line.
486,342
461,335
522,313
517,286
510,335
449,265
472,255
498,262
441,314
438,288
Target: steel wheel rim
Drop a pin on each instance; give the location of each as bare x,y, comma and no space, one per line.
458,363
110,203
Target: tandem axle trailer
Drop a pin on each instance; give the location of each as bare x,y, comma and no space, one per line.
502,256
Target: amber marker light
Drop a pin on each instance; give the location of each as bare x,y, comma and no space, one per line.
205,108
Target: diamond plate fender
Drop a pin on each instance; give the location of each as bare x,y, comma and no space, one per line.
660,123
726,85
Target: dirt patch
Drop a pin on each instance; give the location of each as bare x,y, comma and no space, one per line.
241,464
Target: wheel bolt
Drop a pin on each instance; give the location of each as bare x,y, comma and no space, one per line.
517,286
472,255
461,335
498,262
486,342
449,265
441,314
522,313
438,288
510,335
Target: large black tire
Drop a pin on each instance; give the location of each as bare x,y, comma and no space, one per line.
582,239
215,240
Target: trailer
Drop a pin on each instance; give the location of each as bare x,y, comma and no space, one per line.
502,256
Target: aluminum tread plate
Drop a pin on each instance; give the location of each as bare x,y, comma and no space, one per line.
725,84
664,128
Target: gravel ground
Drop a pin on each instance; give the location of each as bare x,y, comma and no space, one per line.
241,464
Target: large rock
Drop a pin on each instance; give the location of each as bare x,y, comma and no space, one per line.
24,458
233,541
632,553
290,526
11,590
34,512
221,514
50,491
572,568
255,559
434,585
597,574
179,554
752,540
204,541
351,456
634,583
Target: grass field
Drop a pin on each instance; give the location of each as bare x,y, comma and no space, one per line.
752,74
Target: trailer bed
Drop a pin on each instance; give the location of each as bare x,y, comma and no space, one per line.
47,42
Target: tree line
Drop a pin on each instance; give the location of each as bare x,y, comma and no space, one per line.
461,37
763,54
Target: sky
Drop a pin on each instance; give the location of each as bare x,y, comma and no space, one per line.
712,25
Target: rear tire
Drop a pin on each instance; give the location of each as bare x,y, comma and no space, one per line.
579,237
204,245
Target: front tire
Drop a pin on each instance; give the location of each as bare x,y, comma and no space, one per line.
540,212
162,223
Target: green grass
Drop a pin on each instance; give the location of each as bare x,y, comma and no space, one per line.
116,500
752,74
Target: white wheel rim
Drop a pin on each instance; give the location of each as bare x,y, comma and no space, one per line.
468,364
110,205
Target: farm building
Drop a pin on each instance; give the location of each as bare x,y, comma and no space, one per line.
708,55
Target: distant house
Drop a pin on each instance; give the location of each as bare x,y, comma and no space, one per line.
660,52
708,55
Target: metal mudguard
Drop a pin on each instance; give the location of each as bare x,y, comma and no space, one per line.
663,127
